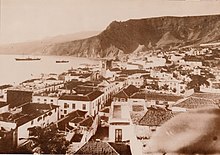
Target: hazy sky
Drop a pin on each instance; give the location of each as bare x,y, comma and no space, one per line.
23,20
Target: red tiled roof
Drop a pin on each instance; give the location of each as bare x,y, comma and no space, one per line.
104,148
76,138
155,116
127,92
105,110
130,90
64,121
74,98
156,96
136,116
77,120
94,95
29,112
196,102
2,104
134,71
87,122
121,94
122,149
214,96
89,97
97,148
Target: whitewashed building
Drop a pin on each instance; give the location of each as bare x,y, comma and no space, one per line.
18,120
90,102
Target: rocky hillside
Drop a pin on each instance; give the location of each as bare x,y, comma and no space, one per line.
126,37
161,32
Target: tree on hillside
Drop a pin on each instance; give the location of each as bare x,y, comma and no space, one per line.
72,84
197,81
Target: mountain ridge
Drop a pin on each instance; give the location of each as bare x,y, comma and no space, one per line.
128,35
39,46
153,33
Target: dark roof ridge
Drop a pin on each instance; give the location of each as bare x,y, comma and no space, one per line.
112,147
125,93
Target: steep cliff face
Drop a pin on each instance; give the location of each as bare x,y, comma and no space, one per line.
125,37
161,32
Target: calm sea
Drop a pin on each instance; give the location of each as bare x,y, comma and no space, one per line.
14,72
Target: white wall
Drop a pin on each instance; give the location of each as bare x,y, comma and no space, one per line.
91,106
91,131
126,132
135,145
23,132
7,125
4,109
78,106
137,82
135,101
48,88
209,90
3,92
45,99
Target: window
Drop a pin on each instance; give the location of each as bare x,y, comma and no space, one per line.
45,100
118,135
51,100
122,100
38,99
65,111
84,106
66,105
62,116
165,102
73,106
32,122
153,128
157,102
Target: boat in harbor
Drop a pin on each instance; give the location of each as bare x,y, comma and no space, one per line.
62,61
27,59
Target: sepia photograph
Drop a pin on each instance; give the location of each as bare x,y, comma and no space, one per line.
110,77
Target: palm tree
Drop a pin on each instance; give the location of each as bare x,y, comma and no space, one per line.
197,81
47,140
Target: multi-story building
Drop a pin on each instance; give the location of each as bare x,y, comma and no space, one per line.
119,119
136,79
15,122
41,85
90,102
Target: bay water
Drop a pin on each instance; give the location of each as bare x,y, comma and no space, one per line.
14,72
